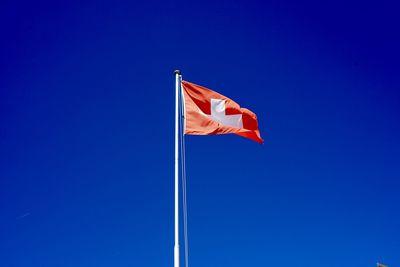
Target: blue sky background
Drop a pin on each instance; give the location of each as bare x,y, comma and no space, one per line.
87,125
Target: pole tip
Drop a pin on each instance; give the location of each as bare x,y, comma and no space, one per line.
177,72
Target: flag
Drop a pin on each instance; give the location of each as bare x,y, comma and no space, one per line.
207,112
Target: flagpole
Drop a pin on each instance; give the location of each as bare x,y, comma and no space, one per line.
176,246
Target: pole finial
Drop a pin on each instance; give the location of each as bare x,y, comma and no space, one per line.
177,72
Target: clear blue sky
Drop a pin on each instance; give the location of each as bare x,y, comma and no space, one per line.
87,125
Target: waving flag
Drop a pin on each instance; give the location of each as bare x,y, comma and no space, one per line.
208,112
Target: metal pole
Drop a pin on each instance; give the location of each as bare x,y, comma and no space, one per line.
176,247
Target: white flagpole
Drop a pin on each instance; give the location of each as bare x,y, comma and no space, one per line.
176,247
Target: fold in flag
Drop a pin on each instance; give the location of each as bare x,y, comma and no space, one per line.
208,112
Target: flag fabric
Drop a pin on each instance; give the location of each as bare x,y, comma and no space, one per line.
208,112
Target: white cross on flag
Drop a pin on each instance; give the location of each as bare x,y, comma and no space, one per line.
208,112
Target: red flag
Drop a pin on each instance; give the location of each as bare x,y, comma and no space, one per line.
208,112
